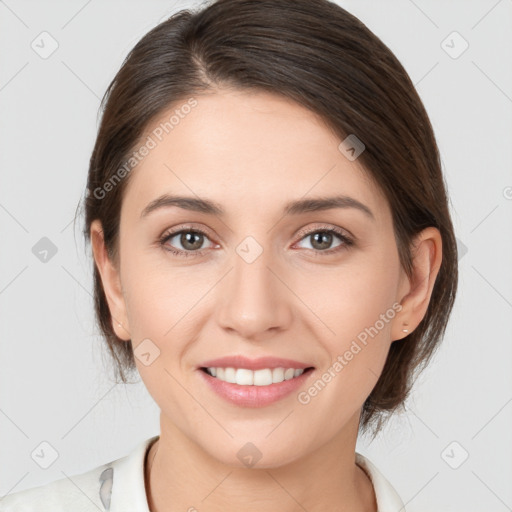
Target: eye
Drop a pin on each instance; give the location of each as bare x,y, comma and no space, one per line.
190,240
322,239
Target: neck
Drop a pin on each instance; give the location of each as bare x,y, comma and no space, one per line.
181,476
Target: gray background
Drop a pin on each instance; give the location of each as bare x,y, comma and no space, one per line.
55,384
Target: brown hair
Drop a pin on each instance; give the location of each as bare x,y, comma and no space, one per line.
322,57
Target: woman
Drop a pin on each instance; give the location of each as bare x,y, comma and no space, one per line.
273,254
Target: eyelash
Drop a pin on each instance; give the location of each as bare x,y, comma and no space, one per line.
347,241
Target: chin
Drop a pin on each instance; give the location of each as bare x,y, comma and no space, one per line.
254,455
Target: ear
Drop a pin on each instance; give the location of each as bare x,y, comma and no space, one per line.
111,282
416,291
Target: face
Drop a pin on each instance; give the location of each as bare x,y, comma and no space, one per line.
317,286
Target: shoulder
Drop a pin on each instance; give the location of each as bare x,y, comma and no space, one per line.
387,498
78,491
91,491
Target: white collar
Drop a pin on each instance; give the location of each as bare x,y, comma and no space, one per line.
387,498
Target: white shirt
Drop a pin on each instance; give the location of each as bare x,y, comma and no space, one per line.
118,486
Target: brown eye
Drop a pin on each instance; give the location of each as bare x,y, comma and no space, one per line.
321,240
191,240
184,242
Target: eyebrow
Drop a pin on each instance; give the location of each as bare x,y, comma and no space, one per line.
292,208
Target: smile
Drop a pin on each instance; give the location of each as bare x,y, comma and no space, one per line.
262,377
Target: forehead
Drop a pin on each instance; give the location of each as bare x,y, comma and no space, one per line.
245,149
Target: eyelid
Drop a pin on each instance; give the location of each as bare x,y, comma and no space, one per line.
325,227
186,227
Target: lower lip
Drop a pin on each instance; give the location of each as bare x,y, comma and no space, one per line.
254,396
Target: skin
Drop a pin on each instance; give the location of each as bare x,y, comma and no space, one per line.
252,152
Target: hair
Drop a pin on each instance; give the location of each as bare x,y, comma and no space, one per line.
320,56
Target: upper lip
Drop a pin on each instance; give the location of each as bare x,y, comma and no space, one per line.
239,361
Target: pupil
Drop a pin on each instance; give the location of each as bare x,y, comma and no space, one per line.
186,240
320,245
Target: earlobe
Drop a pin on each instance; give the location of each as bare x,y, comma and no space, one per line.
111,281
426,262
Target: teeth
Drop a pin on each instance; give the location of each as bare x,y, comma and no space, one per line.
264,377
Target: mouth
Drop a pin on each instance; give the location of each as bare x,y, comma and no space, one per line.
261,377
267,382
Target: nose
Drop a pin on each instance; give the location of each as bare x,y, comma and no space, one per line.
254,301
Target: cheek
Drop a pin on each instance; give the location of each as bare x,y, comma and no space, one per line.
356,309
359,313
161,314
352,295
159,302
156,296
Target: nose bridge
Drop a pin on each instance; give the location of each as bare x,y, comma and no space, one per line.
251,266
253,301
